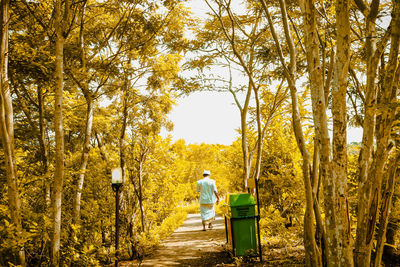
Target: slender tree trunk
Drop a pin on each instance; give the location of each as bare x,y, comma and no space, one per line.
122,135
370,110
59,138
88,124
44,148
245,149
7,130
389,252
84,159
334,176
320,232
247,158
385,210
131,206
313,255
360,251
140,193
260,139
342,249
103,228
321,127
100,145
122,141
260,136
370,192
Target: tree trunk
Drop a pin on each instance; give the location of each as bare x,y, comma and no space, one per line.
313,255
342,253
360,251
44,148
389,252
59,138
370,192
122,154
321,127
320,233
100,145
7,130
245,149
140,193
247,158
131,207
84,159
385,210
260,136
88,125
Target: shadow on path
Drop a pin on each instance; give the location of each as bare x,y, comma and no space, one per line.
190,246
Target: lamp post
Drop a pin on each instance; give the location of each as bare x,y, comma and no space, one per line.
116,185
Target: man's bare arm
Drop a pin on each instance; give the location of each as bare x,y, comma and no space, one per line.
216,194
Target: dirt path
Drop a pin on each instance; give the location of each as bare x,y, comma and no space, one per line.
190,246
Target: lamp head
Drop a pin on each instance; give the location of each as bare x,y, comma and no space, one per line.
116,175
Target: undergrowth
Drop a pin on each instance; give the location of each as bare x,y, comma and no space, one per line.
146,243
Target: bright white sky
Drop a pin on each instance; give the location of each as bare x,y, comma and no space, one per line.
211,117
206,117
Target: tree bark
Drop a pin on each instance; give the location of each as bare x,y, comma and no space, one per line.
321,127
100,146
333,173
59,137
140,191
342,254
385,210
360,251
389,252
313,255
44,148
122,141
7,130
245,149
84,158
370,189
88,123
260,135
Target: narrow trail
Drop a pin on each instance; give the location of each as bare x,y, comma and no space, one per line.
190,246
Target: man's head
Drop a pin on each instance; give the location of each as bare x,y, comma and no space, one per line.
206,173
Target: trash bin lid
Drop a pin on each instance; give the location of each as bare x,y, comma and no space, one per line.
241,200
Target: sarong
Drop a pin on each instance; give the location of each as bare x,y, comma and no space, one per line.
207,213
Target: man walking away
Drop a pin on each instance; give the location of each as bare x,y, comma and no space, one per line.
208,193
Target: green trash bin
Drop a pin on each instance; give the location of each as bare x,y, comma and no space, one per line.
241,224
